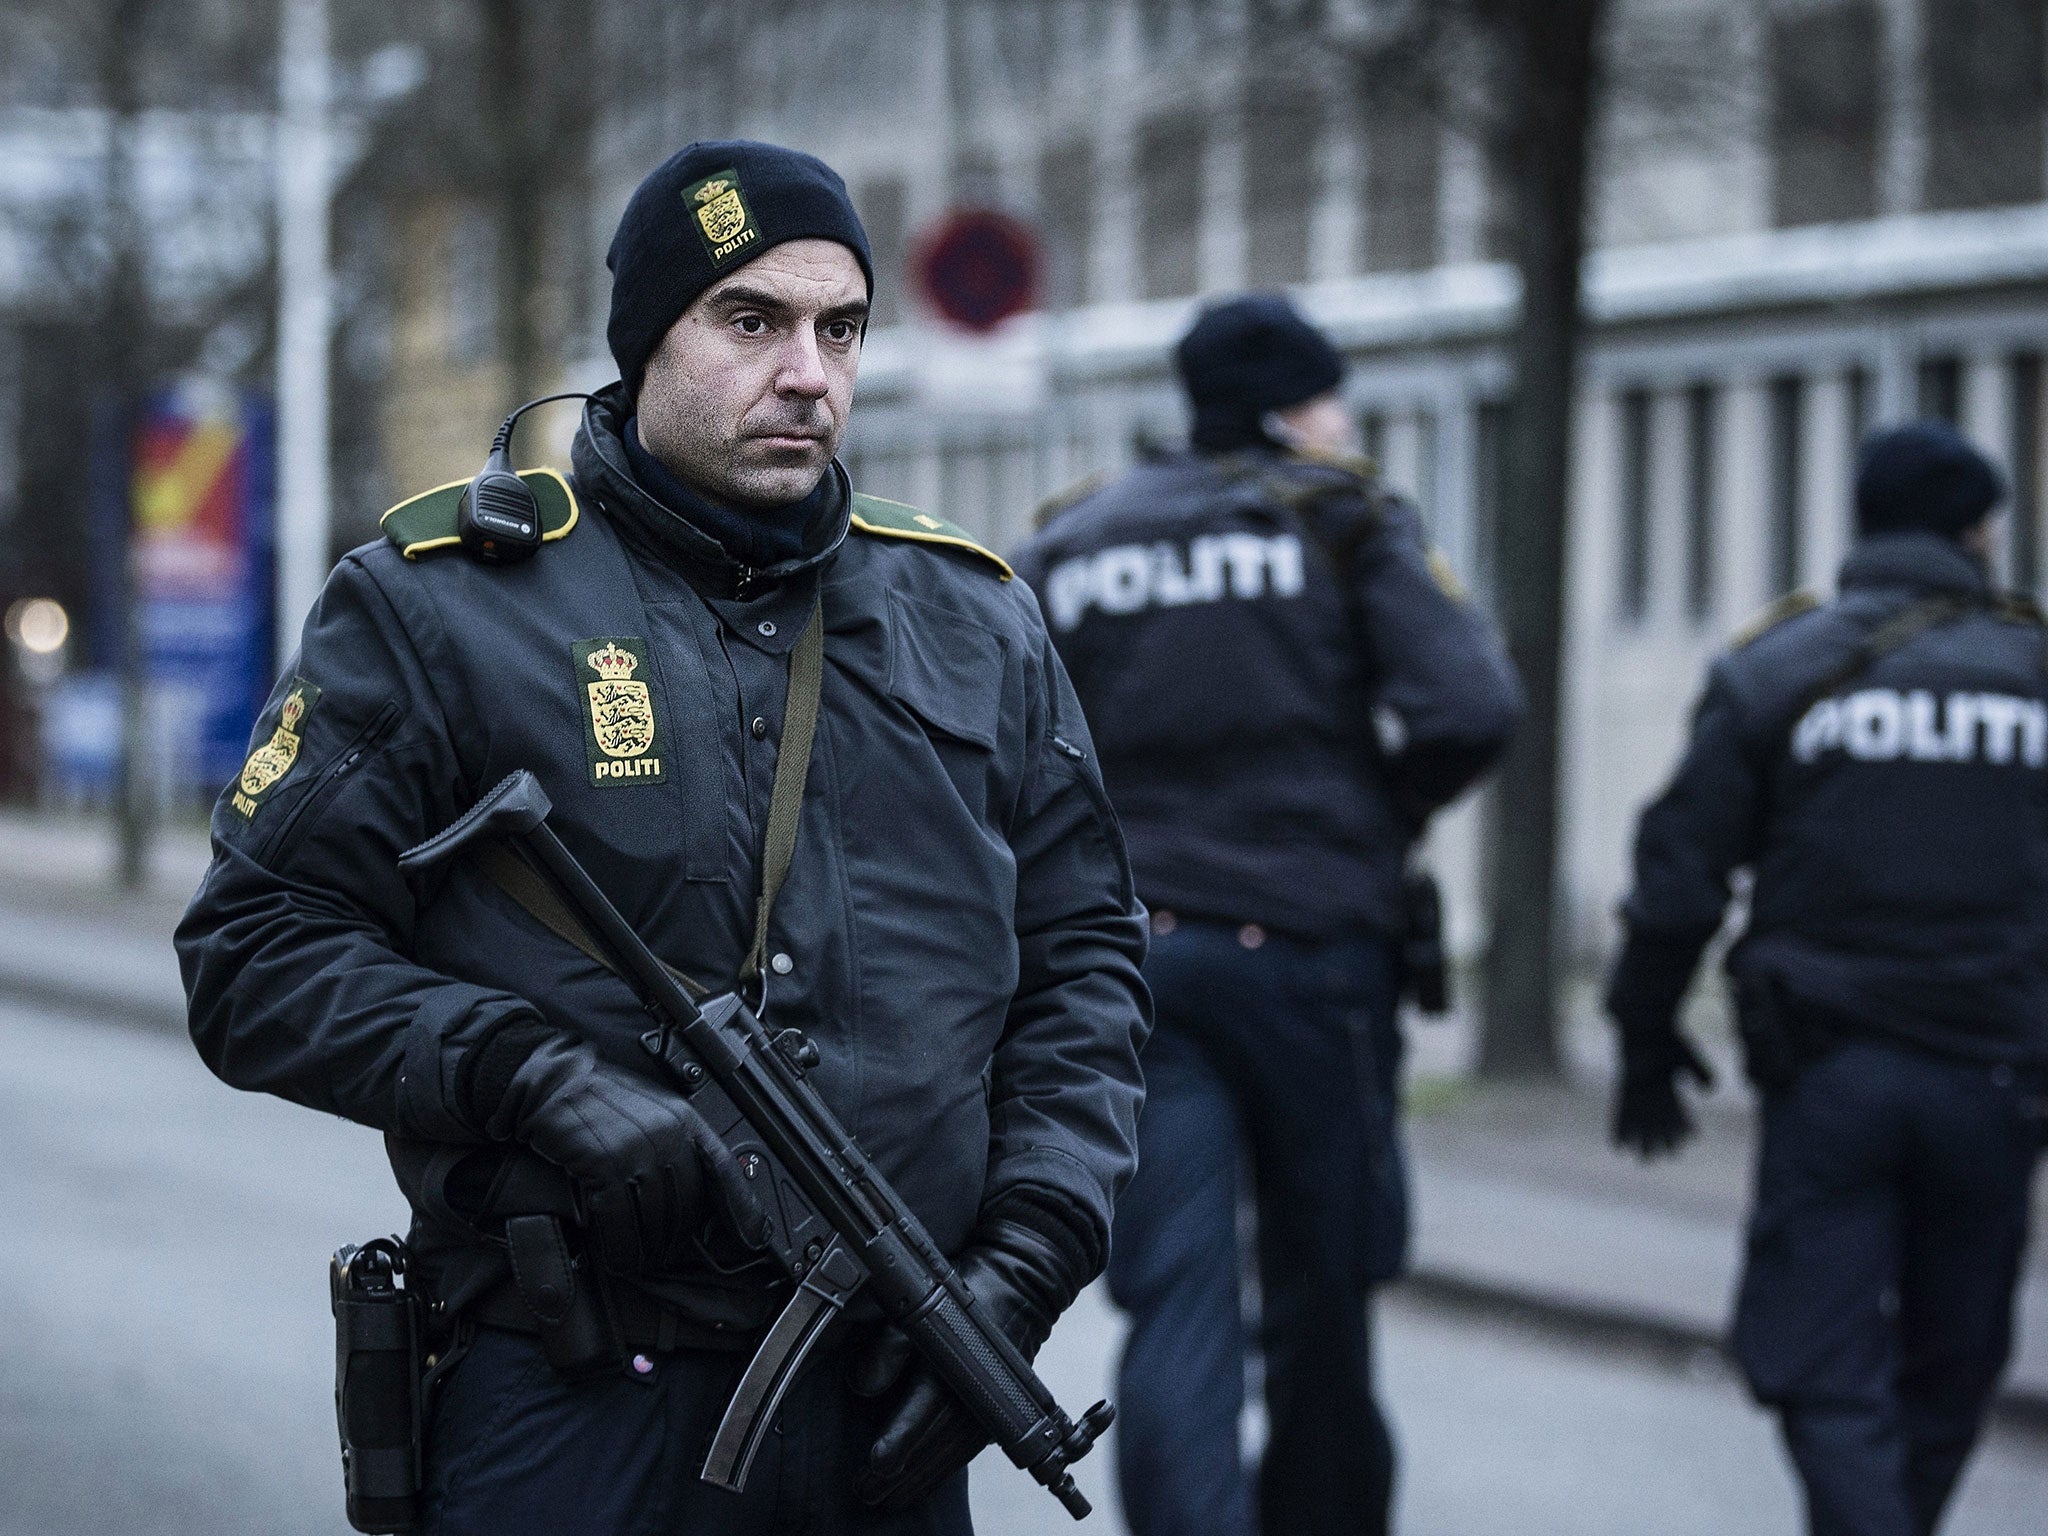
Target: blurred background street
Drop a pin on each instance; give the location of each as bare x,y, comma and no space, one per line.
1551,1365
168,1359
267,269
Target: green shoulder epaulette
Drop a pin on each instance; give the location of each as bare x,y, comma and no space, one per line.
1790,606
1059,501
427,521
2018,608
893,520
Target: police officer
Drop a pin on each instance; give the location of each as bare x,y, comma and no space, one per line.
1880,765
957,932
1282,691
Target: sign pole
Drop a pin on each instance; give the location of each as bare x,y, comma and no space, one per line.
305,318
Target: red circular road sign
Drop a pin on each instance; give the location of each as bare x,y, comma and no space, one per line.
978,267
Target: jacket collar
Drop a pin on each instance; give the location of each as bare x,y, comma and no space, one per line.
599,459
1927,562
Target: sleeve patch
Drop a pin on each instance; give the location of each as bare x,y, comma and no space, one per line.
270,763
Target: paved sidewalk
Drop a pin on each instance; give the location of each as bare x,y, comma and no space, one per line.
1521,1206
69,935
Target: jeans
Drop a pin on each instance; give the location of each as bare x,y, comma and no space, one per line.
513,1449
1281,1059
1876,1305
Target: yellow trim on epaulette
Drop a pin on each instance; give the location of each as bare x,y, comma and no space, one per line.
1790,606
1059,501
1446,579
923,528
420,547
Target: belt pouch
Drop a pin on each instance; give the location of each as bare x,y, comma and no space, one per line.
377,1386
569,1303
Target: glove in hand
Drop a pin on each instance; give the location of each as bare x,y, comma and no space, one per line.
649,1171
1650,1119
1025,1265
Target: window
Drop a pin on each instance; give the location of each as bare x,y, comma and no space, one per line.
881,205
1282,130
1788,428
1490,491
1824,110
2025,520
1940,389
1066,216
1170,197
1702,433
1372,437
1985,96
1403,150
1862,406
1634,552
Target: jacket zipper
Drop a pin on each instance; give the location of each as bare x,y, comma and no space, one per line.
366,741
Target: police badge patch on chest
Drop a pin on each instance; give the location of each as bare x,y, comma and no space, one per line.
269,763
621,730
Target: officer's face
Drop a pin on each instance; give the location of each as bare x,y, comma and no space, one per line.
746,397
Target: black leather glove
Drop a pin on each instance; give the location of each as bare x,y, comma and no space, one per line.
1643,995
648,1170
1027,1260
1650,1119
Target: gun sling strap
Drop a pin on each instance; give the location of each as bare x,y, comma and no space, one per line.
527,886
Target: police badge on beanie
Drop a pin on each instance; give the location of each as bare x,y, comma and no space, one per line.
1923,476
1245,357
705,211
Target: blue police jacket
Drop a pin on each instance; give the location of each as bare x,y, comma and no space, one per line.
957,932
1894,815
1281,684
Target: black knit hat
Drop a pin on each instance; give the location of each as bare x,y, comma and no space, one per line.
1924,475
705,211
1247,356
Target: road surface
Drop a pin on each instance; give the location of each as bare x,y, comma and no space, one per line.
166,1354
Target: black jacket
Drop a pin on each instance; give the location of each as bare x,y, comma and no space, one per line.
1894,816
1281,687
959,911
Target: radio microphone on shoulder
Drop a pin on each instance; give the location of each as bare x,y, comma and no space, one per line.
499,518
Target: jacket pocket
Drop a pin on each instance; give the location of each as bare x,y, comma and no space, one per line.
946,670
323,789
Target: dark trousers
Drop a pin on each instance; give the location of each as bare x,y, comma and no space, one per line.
1876,1305
514,1450
1280,1059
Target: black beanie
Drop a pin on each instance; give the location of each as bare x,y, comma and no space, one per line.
1925,475
704,211
1247,356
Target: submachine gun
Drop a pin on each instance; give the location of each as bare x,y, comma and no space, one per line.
835,1225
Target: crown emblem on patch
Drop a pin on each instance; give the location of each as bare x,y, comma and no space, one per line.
294,708
717,187
613,664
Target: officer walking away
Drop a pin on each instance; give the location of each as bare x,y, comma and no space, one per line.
1880,765
956,934
1282,691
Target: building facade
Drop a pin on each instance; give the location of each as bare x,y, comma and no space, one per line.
1809,217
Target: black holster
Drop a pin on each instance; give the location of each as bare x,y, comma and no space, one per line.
569,1300
378,1385
1781,1036
1425,973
